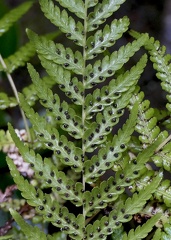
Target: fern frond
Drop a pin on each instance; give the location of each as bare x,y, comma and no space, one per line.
32,232
50,209
106,38
11,17
163,234
101,228
19,58
110,64
61,111
5,140
76,6
6,101
142,231
112,152
108,94
48,173
72,87
101,12
58,236
163,193
57,53
161,63
68,153
97,133
111,189
61,19
147,122
30,93
149,130
22,55
162,158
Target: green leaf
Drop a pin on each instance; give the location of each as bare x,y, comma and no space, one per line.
121,214
101,12
142,231
69,153
52,102
163,192
46,206
108,94
110,64
105,38
22,55
61,19
113,151
30,231
75,6
57,236
10,18
72,87
97,133
57,53
6,101
46,171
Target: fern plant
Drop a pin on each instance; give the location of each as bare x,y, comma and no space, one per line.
94,179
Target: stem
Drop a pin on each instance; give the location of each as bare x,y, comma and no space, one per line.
17,98
83,81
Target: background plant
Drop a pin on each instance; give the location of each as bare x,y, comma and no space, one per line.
80,132
12,58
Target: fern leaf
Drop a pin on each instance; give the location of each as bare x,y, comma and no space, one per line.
143,157
10,18
105,38
47,207
157,235
149,131
68,153
165,234
30,93
22,55
57,53
76,6
32,232
113,152
111,189
57,236
101,12
48,173
97,133
164,192
19,58
61,19
108,94
5,140
142,231
134,205
91,3
109,65
6,237
6,101
162,158
72,87
161,63
101,228
61,111
117,233
147,122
